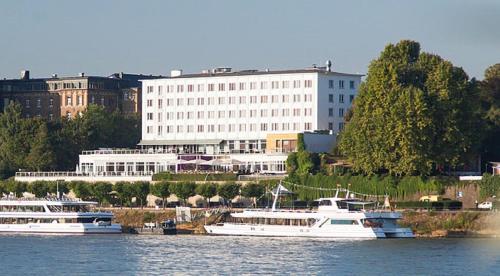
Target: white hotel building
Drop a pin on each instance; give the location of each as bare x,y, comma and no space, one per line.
223,120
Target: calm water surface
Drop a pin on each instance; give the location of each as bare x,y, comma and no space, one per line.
194,255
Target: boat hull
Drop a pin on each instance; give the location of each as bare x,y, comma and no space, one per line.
297,231
61,228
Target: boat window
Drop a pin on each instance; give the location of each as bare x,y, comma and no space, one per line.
325,202
344,221
342,204
21,208
368,223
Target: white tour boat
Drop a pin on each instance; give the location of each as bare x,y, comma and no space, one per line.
66,216
336,217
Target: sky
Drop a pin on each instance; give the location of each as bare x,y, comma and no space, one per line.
101,37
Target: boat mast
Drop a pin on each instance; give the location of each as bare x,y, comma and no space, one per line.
276,196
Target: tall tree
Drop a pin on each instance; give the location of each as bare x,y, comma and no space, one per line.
207,190
14,140
228,191
41,156
412,113
490,112
161,189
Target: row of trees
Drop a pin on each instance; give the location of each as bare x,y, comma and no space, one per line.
417,113
36,144
123,193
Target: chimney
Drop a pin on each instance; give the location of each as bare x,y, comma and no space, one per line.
82,74
54,76
175,73
25,74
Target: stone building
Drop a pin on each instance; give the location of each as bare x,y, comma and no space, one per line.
56,97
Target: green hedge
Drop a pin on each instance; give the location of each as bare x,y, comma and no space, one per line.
436,205
490,186
195,177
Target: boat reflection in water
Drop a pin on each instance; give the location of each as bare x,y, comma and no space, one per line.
336,217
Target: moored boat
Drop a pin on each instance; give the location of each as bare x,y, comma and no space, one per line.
335,217
54,215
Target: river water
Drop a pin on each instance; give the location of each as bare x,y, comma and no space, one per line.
194,255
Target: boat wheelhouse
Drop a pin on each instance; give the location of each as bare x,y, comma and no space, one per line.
335,217
53,215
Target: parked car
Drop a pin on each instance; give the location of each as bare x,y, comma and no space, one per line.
487,205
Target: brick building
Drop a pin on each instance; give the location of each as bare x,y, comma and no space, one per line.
55,97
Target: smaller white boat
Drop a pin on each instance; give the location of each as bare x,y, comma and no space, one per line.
52,215
336,217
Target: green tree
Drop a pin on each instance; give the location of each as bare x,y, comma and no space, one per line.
122,191
305,161
81,189
54,186
183,190
412,113
15,187
228,191
161,189
291,163
38,188
140,191
41,156
489,96
253,190
101,191
207,191
14,140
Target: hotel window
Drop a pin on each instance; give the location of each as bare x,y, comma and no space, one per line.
180,88
308,98
149,103
149,89
180,129
330,126
253,85
200,87
253,99
351,98
38,103
307,111
69,100
296,112
243,113
341,112
211,87
222,87
160,90
149,129
243,100
180,115
296,84
232,114
190,101
285,126
242,86
160,103
221,128
274,99
190,129
190,88
170,115
201,114
51,102
274,113
330,84
211,114
201,101
211,128
263,85
243,127
285,98
296,98
284,84
102,100
263,99
263,113
51,116
296,126
341,126
221,114
263,127
285,112
253,127
275,126
221,100
149,116
190,115
275,84
307,126
341,98
330,112
160,130
253,113
351,84
341,84
330,98
170,102
307,83
232,86
180,102
232,100
231,127
211,101
200,128
160,115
